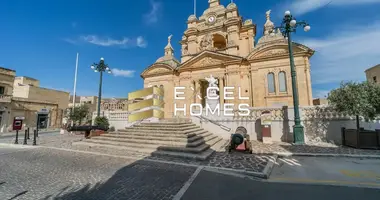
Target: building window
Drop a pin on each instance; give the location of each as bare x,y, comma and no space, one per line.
271,84
374,79
2,90
282,81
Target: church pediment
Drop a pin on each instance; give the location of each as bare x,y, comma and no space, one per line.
157,69
278,50
208,59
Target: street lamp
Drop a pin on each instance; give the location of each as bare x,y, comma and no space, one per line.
289,24
100,67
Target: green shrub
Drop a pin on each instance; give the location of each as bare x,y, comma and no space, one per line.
112,129
101,121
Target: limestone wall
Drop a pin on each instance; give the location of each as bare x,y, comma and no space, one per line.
59,97
117,119
320,123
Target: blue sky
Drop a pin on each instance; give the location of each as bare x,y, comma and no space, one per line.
40,38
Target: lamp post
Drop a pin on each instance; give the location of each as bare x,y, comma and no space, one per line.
100,67
289,25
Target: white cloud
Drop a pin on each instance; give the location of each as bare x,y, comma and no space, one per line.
346,54
93,39
141,42
122,72
299,7
107,41
152,16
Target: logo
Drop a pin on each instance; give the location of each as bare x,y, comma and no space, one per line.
212,100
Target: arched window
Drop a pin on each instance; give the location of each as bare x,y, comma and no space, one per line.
271,84
282,81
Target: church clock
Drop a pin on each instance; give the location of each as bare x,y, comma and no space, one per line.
211,19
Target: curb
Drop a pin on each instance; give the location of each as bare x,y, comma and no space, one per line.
284,155
268,169
328,155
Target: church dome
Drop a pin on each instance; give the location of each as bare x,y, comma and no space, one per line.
231,6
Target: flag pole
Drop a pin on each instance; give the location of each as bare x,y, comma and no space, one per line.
75,86
195,8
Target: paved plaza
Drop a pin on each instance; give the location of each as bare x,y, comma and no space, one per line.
31,173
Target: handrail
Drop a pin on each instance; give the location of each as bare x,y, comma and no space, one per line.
214,122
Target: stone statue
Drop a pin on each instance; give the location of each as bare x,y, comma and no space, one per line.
213,101
184,50
212,82
170,38
206,42
268,14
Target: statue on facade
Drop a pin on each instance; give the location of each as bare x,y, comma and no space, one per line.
170,38
206,43
214,101
184,50
212,82
269,25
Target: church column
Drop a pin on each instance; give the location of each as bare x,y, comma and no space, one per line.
221,92
197,91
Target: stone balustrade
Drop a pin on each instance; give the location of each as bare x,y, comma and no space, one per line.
5,98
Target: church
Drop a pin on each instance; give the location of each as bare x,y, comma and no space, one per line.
221,44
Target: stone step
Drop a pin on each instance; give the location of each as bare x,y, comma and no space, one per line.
165,125
200,156
160,134
150,147
128,130
148,137
148,128
168,142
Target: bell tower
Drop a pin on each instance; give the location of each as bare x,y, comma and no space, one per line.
220,29
213,3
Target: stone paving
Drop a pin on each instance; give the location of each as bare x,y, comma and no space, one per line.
286,148
40,173
256,162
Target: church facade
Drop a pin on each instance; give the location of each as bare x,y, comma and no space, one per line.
221,44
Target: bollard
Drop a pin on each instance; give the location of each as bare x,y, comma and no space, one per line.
34,137
25,137
28,134
16,141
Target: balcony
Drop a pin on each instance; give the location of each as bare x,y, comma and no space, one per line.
5,98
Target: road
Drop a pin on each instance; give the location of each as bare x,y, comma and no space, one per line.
42,173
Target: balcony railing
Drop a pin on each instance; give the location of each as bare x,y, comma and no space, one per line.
5,98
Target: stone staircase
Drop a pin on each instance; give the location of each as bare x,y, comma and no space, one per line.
178,139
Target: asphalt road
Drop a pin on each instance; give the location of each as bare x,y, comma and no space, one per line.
41,173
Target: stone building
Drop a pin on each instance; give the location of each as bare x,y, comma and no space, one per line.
320,101
221,44
373,74
114,104
90,101
22,97
7,77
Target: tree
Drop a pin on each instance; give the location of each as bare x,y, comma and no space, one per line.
80,112
359,99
